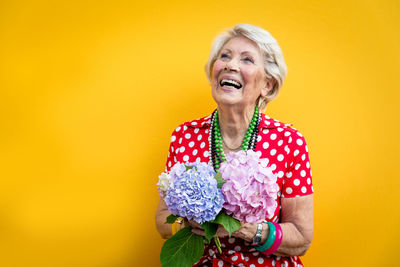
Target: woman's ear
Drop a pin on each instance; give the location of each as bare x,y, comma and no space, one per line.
269,84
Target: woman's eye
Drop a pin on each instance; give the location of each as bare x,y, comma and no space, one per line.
224,56
248,59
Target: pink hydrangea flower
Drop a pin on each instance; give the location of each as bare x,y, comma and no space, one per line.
250,189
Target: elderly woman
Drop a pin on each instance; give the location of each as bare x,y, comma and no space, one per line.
246,70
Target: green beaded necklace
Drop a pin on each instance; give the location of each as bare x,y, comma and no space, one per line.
220,157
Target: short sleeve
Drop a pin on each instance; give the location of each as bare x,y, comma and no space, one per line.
171,159
297,179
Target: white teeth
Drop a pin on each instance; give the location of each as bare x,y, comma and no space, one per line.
232,82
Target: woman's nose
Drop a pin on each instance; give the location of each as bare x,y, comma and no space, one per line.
231,66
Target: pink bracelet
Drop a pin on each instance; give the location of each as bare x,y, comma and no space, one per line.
277,242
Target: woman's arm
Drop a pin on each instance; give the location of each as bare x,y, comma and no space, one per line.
297,223
162,213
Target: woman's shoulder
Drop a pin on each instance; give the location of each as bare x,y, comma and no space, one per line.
274,130
197,123
271,123
204,122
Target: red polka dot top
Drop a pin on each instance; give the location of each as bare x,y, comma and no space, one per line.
286,151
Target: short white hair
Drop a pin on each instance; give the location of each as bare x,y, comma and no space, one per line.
274,64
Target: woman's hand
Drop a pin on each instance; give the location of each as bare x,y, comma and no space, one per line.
193,224
246,232
221,232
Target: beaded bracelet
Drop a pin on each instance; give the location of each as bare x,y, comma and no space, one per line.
277,242
270,239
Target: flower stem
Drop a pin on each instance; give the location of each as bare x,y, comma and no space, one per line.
218,244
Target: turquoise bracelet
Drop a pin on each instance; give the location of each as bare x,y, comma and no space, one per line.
270,239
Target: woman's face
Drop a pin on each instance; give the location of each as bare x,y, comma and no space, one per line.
238,76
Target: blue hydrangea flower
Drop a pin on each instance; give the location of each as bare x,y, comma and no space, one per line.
194,193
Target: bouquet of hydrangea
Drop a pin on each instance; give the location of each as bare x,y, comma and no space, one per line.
244,190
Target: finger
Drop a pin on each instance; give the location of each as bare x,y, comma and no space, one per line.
195,225
198,232
222,230
222,235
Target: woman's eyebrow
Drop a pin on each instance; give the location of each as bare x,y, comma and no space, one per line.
247,52
227,50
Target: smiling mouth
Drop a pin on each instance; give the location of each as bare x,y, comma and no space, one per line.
230,83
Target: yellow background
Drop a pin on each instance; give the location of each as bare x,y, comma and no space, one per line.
90,92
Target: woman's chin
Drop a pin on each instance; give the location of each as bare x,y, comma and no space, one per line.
227,96
228,90
227,101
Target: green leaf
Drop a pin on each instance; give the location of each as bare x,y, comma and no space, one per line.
172,218
210,230
189,167
220,181
183,249
229,223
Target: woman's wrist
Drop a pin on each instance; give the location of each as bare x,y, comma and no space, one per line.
265,233
247,232
250,230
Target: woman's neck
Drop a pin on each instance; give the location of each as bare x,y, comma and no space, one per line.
233,122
